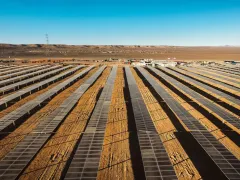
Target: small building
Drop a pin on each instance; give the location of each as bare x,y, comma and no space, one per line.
182,63
138,64
164,63
233,62
228,61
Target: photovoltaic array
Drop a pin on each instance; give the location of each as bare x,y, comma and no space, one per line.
199,98
6,80
38,104
16,69
10,120
14,162
225,161
223,70
209,74
201,78
154,156
85,162
5,101
211,90
29,81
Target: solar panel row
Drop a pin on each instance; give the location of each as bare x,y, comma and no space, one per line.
198,98
14,162
62,111
9,67
154,156
218,153
222,70
222,73
26,82
19,94
2,67
35,72
237,68
207,74
19,74
230,69
9,121
85,162
211,91
206,79
20,68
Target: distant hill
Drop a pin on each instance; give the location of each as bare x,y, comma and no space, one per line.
119,51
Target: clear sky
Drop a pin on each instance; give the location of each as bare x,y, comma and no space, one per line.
126,22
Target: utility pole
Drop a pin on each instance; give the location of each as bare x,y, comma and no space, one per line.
47,43
47,39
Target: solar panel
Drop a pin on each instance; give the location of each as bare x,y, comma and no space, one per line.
232,101
154,156
202,72
222,70
20,68
197,97
26,82
3,67
208,142
18,75
19,94
222,73
12,118
14,162
200,78
85,162
227,68
10,67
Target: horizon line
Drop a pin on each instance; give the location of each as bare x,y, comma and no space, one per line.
120,45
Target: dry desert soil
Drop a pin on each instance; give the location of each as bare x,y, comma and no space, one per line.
41,51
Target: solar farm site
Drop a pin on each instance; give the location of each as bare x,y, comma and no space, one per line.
108,121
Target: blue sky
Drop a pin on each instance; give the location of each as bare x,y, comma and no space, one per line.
127,22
